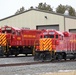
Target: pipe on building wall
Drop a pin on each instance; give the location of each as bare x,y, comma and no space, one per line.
64,24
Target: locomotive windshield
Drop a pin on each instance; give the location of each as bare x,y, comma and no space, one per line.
56,36
46,36
49,35
6,30
53,35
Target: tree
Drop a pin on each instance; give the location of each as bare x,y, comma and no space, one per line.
22,9
40,6
71,11
44,6
17,12
61,9
49,8
31,7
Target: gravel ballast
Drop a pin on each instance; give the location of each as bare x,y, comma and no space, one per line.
37,69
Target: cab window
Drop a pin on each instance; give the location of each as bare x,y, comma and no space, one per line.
51,36
18,33
41,36
6,31
60,37
56,36
3,31
46,36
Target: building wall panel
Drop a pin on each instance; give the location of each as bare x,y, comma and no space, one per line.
70,23
32,18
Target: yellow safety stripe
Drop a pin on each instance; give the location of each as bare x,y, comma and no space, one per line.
45,44
3,40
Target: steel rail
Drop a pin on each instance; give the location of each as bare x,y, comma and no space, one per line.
33,63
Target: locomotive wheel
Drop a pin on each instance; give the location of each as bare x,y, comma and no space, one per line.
58,57
1,53
48,56
36,56
16,53
42,57
72,58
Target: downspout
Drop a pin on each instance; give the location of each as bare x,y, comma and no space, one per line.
64,24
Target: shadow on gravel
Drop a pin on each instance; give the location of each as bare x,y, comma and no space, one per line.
13,56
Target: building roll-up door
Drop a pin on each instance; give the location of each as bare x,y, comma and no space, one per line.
56,27
72,30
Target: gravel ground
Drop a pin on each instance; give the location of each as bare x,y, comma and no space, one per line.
37,69
16,60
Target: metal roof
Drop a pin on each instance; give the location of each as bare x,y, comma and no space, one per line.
44,11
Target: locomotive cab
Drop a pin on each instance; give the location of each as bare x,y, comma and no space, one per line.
11,34
9,31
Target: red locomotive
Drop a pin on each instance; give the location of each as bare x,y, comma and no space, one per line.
55,45
14,41
47,44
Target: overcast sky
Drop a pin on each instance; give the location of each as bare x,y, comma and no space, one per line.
9,7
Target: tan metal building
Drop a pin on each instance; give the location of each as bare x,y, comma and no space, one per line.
39,19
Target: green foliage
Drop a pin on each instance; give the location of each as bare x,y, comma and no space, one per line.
71,11
61,9
22,9
31,7
44,6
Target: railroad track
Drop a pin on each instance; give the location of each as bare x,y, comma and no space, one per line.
20,64
32,63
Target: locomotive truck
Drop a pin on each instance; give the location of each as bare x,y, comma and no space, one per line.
14,41
55,45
